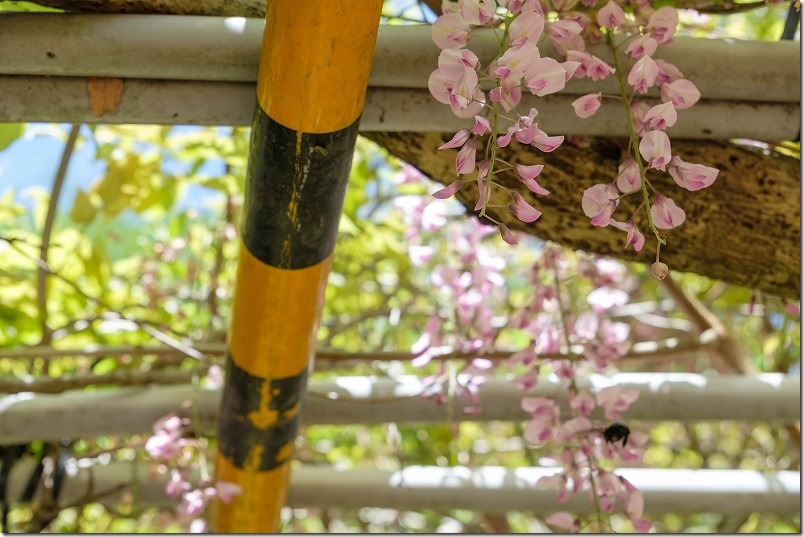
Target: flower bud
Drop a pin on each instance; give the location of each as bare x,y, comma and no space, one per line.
659,270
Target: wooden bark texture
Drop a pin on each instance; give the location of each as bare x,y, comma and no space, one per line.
219,8
256,8
743,230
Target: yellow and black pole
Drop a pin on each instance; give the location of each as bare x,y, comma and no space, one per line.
314,67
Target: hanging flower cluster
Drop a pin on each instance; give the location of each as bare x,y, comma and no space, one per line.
468,288
520,26
642,32
172,447
519,67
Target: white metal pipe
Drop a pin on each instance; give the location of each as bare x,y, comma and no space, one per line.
227,49
165,102
488,489
367,400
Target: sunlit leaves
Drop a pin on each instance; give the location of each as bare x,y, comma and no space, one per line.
9,132
83,212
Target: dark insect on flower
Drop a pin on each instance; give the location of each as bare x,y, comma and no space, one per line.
616,432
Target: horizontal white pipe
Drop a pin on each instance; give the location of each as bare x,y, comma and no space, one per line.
367,400
487,489
165,102
227,49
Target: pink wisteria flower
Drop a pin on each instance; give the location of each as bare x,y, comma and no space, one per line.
451,31
642,46
666,214
564,521
691,176
481,126
599,203
508,94
458,140
449,190
465,160
682,93
643,74
667,73
616,399
527,175
661,116
507,235
611,15
526,28
545,76
662,24
587,105
634,236
655,149
543,422
591,66
165,441
478,12
522,209
628,178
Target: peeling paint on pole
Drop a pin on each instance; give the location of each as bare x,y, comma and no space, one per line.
314,68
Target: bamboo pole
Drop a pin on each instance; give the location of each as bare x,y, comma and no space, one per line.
314,68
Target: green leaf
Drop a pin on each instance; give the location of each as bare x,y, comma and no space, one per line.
83,211
10,132
106,365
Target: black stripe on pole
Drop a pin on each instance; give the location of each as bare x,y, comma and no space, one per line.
294,192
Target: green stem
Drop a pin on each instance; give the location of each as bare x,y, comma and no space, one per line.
634,138
596,500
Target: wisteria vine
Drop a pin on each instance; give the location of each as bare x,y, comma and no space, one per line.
633,31
632,27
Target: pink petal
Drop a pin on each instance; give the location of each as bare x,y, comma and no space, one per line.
507,235
666,214
682,93
465,160
562,520
587,105
691,176
661,116
522,209
528,26
655,149
547,144
448,191
611,15
451,31
458,140
628,179
643,74
528,172
481,126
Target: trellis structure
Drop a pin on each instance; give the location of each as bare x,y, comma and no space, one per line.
289,122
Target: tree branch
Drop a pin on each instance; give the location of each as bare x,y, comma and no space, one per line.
72,382
256,8
744,229
47,232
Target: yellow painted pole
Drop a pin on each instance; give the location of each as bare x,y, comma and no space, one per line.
314,67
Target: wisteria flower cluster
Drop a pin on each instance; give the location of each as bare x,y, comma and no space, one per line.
569,347
471,298
170,446
521,25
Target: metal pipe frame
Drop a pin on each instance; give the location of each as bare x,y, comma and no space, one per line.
201,70
489,489
26,417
